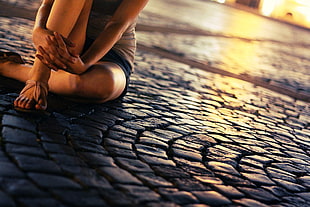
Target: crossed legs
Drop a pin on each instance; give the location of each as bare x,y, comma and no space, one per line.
102,82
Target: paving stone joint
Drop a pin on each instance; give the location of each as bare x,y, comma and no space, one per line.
180,137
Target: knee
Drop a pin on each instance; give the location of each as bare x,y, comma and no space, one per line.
100,87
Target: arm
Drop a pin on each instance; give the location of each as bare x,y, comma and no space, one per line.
113,31
41,37
40,31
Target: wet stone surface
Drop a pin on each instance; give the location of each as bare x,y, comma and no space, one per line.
231,40
180,137
278,63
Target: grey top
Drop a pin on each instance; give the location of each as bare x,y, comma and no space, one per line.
102,11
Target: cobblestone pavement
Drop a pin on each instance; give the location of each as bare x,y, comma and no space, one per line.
231,40
181,137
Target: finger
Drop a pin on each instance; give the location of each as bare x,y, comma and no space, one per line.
52,46
64,54
64,43
74,54
50,40
57,62
62,47
49,60
68,42
44,54
60,41
55,54
41,58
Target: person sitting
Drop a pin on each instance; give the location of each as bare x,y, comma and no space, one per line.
72,60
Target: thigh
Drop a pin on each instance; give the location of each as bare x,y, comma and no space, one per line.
104,81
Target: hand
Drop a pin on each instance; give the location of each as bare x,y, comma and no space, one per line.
59,54
56,53
39,36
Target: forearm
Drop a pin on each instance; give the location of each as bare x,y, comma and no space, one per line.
39,31
42,14
104,42
125,14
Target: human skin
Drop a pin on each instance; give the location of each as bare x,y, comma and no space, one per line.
74,74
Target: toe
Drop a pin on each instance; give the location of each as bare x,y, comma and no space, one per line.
28,104
17,102
23,102
41,105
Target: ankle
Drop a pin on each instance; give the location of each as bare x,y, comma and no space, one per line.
39,72
39,77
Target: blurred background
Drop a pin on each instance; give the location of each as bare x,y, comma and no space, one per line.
293,11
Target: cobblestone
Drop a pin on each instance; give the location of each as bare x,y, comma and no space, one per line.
180,137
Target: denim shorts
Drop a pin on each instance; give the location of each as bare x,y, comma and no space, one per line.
113,57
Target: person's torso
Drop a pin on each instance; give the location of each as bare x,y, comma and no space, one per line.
106,6
102,12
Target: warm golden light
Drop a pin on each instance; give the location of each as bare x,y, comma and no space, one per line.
304,11
295,11
268,6
240,54
220,1
303,2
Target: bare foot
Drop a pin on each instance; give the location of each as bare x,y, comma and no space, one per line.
32,97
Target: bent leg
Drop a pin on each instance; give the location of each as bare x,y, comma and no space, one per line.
76,35
102,82
63,18
70,18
